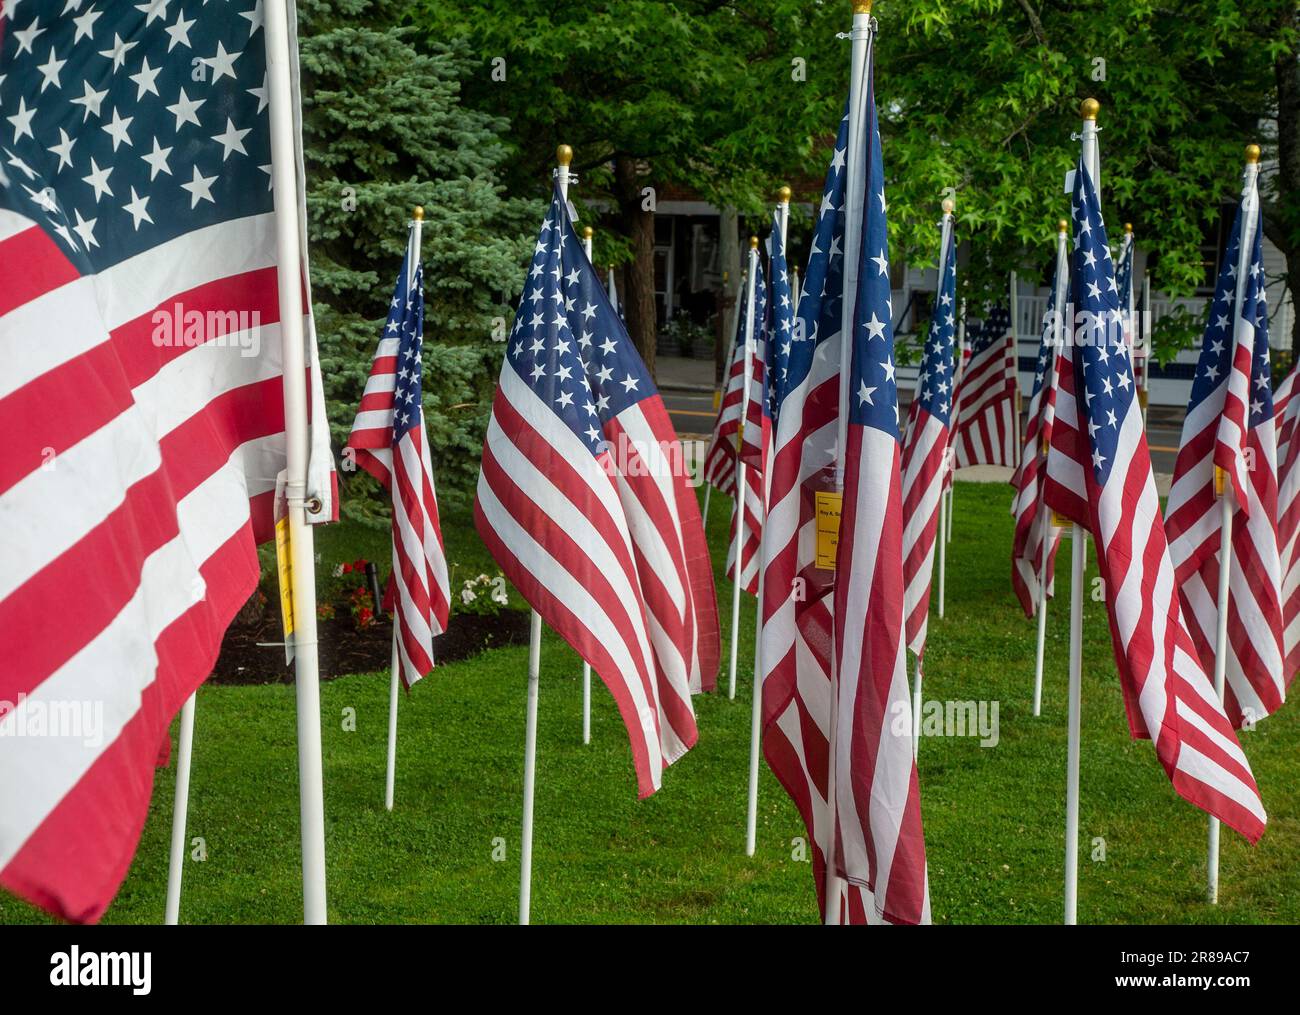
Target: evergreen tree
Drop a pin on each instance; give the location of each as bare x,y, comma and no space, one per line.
384,130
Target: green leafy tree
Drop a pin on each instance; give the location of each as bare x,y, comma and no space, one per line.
384,131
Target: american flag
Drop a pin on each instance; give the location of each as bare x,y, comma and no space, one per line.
720,457
781,332
985,431
1286,409
925,448
797,594
390,443
1035,534
755,441
879,845
140,296
1124,282
1230,424
584,501
1099,475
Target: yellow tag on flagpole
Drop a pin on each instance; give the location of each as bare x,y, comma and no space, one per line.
828,504
284,566
1220,481
1060,521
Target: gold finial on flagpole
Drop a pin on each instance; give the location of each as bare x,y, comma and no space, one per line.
1090,109
587,232
948,205
784,195
1128,228
419,213
564,155
1062,226
753,243
862,6
1252,153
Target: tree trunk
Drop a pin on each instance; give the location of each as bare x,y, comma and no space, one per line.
729,255
636,212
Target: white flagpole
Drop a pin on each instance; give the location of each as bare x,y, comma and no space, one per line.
756,706
284,175
586,666
1078,560
563,157
530,770
1015,356
176,865
1250,206
1221,641
1078,554
390,778
1061,283
961,352
708,489
943,533
854,199
740,468
394,680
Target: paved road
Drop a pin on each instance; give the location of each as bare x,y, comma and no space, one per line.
693,414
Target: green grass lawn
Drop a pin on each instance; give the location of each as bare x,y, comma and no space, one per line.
993,816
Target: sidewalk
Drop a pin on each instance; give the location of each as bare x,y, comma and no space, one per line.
678,373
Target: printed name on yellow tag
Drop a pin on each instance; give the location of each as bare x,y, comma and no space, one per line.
285,568
828,527
1060,521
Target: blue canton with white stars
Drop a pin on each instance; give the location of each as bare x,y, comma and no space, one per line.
934,383
406,324
873,392
1124,273
1101,353
1046,342
568,344
993,329
762,343
821,298
781,322
1215,362
124,125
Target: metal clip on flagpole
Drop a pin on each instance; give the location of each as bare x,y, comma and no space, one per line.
1223,485
1078,558
854,202
284,173
740,468
563,157
587,233
1061,284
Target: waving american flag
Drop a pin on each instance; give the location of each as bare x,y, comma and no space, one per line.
985,428
754,437
584,501
1099,475
1286,409
925,450
391,444
781,330
720,457
799,586
879,845
1230,425
1035,534
139,297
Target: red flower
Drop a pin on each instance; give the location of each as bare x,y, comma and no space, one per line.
347,568
365,617
359,564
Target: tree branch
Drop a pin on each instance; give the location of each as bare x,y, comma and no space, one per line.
1035,25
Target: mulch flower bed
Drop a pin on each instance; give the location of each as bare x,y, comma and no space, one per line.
353,637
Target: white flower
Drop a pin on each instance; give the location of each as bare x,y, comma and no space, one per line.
467,595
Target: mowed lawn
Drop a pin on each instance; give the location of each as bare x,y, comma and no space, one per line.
449,852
